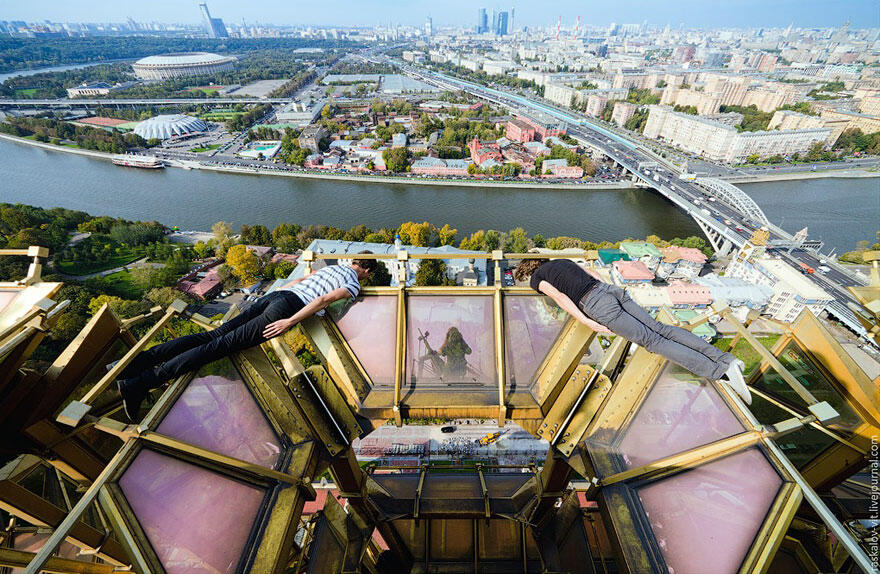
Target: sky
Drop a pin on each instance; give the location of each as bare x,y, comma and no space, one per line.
691,13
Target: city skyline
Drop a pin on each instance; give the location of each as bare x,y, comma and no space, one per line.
689,13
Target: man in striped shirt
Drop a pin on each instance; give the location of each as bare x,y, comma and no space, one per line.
268,317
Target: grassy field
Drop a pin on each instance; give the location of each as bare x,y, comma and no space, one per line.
220,116
744,351
204,148
121,285
85,267
25,92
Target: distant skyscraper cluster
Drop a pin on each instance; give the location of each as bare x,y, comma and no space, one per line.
501,25
214,26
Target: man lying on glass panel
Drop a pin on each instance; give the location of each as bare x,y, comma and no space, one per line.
609,309
269,317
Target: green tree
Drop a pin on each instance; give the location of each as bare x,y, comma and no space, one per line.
517,241
431,272
165,296
284,269
493,240
446,235
396,159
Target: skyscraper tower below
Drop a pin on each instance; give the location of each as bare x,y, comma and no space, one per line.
500,23
482,21
429,26
214,26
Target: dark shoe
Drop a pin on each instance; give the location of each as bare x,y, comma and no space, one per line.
132,393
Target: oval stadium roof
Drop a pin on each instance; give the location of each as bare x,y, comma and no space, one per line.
183,59
166,126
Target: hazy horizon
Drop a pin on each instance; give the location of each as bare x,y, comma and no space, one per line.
690,13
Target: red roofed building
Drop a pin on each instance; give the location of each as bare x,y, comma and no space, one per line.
482,151
630,273
685,261
520,131
203,289
688,295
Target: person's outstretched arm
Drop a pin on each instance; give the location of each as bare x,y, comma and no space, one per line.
569,307
318,303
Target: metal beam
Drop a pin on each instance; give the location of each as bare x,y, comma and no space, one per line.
38,563
20,559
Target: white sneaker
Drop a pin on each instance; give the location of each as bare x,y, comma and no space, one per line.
737,382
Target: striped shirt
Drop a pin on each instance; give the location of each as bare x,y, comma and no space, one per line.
324,281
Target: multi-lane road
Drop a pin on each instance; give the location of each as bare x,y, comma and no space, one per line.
716,215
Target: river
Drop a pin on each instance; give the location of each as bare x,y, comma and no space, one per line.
840,211
5,76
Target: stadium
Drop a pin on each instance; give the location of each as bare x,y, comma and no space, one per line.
170,66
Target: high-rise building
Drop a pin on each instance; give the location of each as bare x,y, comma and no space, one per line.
429,26
482,21
214,26
512,27
501,23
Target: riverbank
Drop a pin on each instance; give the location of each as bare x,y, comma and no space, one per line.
794,176
399,180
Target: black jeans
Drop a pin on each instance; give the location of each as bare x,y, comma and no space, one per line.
188,353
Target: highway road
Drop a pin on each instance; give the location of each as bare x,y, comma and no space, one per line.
664,177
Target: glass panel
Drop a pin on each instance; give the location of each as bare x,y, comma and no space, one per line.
680,412
706,519
799,364
34,542
800,447
196,520
531,326
219,413
6,297
369,325
450,343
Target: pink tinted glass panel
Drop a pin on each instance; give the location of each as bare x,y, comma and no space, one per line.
706,519
531,326
370,328
220,414
196,520
34,541
680,412
450,339
6,298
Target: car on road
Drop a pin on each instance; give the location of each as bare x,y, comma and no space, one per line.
447,429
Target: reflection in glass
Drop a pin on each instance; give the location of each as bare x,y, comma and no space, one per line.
705,519
219,414
680,412
369,326
799,364
531,326
450,341
800,447
6,297
196,520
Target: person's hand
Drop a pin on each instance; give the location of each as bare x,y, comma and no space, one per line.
598,327
276,328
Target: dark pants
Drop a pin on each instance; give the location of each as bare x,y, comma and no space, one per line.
188,353
612,307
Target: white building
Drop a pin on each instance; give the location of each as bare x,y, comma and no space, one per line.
299,113
718,141
792,290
